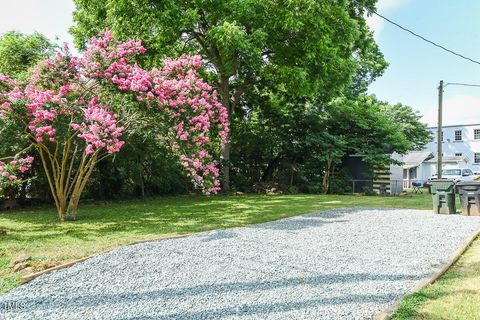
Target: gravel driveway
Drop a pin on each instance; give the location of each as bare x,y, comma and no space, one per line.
340,264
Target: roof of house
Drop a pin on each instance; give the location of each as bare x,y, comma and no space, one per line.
451,159
415,158
458,125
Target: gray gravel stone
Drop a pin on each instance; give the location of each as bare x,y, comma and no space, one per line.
339,264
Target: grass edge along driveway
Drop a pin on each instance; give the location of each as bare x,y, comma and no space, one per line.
455,296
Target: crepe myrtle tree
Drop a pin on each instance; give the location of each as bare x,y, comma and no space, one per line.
13,174
66,113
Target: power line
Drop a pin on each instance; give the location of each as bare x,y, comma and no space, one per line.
461,84
429,41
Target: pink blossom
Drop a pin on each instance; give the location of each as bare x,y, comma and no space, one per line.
53,104
99,129
11,172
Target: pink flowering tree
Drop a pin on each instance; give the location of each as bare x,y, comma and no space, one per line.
12,175
75,110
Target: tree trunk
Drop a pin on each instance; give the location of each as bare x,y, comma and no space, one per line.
326,177
79,186
292,171
226,147
226,166
272,165
142,177
62,209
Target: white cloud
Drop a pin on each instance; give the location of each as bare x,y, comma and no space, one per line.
459,109
387,5
376,23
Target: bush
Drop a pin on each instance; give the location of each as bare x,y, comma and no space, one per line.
292,190
341,183
368,191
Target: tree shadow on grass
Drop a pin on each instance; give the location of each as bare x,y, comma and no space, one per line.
182,214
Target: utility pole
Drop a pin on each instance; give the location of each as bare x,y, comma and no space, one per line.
439,131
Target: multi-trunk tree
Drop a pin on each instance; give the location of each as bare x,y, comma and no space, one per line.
71,113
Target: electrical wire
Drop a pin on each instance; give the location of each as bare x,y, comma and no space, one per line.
425,39
461,84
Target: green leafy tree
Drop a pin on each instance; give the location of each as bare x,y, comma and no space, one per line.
368,127
409,121
20,52
309,142
298,49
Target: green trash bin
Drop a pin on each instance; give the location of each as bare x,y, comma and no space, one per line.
443,196
469,192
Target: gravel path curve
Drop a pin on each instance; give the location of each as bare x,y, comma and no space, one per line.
339,264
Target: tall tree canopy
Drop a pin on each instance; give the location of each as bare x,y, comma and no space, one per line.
20,52
299,49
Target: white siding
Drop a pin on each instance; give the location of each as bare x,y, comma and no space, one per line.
396,176
467,147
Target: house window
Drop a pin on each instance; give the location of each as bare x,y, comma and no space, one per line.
413,172
458,135
477,158
476,134
458,154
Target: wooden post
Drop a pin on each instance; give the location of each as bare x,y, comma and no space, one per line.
440,131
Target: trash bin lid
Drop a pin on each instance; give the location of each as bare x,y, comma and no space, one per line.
468,183
442,184
464,186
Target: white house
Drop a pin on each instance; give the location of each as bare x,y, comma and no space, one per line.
418,166
415,167
461,149
459,141
449,162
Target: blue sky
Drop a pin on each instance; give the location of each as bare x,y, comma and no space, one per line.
415,66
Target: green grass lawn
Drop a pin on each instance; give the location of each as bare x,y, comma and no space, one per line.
102,227
456,296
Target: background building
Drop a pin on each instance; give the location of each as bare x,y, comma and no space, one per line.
416,168
459,141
